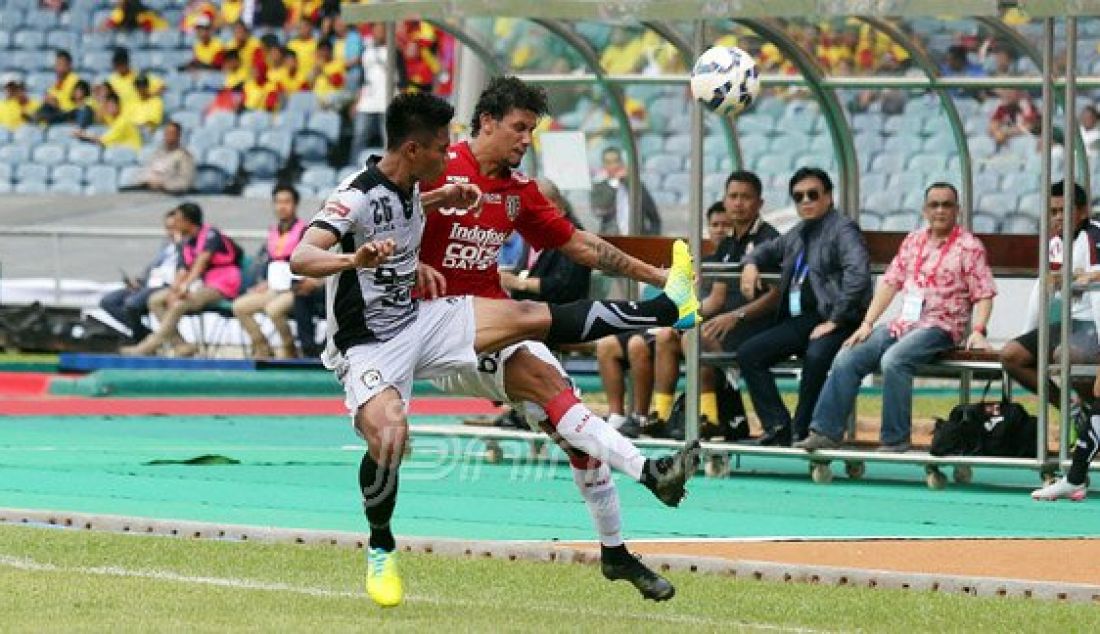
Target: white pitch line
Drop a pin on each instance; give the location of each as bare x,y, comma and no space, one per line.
21,563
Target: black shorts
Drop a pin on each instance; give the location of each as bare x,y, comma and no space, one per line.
1082,340
623,338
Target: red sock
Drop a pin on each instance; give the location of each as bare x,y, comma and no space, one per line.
560,404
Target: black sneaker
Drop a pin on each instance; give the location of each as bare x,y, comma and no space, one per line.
632,427
668,475
650,584
511,419
653,426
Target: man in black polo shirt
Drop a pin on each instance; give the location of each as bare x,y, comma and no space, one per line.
730,318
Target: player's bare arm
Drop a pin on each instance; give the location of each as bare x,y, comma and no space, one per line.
594,252
459,195
312,257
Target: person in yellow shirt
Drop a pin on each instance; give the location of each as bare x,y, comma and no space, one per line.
304,46
206,53
230,12
131,15
59,100
303,10
247,47
329,76
148,110
17,108
289,76
121,80
236,73
121,130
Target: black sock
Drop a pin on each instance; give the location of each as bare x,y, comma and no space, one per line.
649,473
587,320
614,554
379,489
1088,441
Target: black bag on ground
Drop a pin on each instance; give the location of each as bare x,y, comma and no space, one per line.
732,421
986,428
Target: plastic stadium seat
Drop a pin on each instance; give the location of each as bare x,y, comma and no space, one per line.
228,159
189,121
301,102
755,123
30,187
167,38
279,141
822,144
220,120
119,156
888,162
211,179
1020,223
197,101
929,163
14,154
28,39
261,162
902,221
258,189
49,154
319,178
239,140
984,223
131,39
997,204
678,182
291,120
346,171
773,164
664,163
61,39
255,120
903,144
870,221
663,198
987,182
101,179
908,181
5,173
202,139
882,201
5,36
211,81
41,20
131,175
62,134
678,145
84,154
30,172
28,135
1031,204
327,123
66,187
311,146
1009,167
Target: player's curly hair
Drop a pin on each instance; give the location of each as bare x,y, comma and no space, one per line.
504,94
418,114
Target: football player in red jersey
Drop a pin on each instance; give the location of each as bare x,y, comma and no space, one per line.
459,257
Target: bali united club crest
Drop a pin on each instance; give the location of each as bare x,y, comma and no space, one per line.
511,206
371,379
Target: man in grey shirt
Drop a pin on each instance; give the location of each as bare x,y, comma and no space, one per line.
171,168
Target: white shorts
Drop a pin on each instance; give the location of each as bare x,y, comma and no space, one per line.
439,342
487,378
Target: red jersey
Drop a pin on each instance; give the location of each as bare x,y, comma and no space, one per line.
464,247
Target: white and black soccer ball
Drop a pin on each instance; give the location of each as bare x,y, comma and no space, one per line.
725,80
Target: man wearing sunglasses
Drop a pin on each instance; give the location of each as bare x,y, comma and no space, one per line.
942,276
824,290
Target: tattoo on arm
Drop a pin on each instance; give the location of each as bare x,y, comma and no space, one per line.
608,258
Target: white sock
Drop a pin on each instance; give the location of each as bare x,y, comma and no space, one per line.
616,420
602,498
591,434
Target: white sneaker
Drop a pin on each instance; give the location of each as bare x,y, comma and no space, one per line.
616,420
1060,488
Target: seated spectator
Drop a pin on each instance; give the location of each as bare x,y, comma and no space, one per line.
289,76
943,276
207,53
958,64
229,12
631,352
731,319
267,14
236,74
208,272
57,6
121,130
272,292
148,110
1020,356
123,77
329,78
132,15
299,11
83,113
1086,421
371,105
824,290
59,103
17,108
304,46
1090,131
171,168
309,303
249,51
611,199
130,303
1015,115
421,56
347,43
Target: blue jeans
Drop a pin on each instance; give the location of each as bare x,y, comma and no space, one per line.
898,359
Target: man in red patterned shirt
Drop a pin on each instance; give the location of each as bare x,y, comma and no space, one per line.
459,254
942,275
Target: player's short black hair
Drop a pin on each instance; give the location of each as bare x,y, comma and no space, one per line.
232,54
65,55
286,187
417,114
191,212
803,173
82,85
941,185
715,208
745,176
120,56
504,94
1080,198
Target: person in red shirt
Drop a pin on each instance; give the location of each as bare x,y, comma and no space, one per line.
459,257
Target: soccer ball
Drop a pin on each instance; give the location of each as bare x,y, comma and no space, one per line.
725,80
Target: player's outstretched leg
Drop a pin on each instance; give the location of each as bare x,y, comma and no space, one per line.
381,422
1073,485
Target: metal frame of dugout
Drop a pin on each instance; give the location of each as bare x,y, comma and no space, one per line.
763,18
